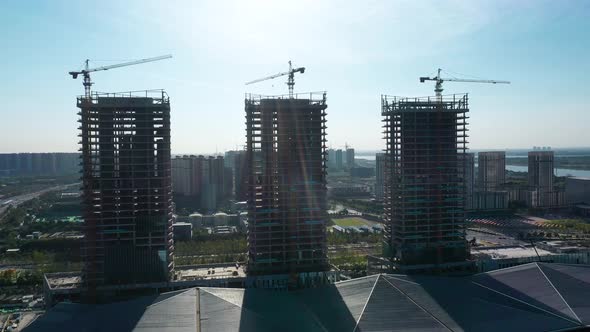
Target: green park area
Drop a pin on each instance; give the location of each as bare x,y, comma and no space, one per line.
351,221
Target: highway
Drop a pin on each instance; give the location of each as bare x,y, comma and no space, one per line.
18,200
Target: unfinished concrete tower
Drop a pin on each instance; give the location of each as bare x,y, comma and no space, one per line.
540,179
541,169
424,183
286,177
126,184
491,170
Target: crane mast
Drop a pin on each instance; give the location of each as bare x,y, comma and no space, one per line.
290,80
86,71
438,89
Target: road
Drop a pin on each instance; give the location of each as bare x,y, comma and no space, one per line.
27,317
18,200
488,238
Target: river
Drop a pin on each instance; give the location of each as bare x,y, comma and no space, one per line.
558,171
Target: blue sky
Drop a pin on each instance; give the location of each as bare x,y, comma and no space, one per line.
355,50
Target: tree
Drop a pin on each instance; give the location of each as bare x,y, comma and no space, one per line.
8,277
38,257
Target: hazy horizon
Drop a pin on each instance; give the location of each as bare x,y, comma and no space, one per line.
357,151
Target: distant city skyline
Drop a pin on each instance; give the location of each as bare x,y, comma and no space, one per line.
359,152
355,51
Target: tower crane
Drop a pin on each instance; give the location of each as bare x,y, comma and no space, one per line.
86,71
438,89
290,81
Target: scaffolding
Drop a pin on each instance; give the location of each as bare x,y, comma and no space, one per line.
424,191
126,184
286,180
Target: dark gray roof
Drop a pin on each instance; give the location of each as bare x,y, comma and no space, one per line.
174,311
531,297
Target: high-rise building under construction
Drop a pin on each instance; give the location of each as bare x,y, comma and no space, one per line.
424,197
469,179
286,178
491,170
126,180
540,175
380,162
540,180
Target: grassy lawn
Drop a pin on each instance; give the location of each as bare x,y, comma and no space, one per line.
353,221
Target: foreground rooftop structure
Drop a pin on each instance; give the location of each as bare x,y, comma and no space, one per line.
530,297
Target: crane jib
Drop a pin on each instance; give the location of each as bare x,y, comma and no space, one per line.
86,72
439,80
290,73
